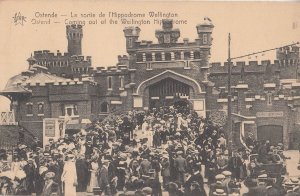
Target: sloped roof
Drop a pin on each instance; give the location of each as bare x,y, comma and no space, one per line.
43,77
15,89
13,84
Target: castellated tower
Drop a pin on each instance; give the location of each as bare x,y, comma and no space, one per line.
132,35
74,36
204,30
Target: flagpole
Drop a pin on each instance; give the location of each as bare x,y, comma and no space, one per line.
229,129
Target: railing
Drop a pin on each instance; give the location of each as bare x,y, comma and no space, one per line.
8,118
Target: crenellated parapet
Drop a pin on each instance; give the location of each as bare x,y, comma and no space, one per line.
243,66
112,70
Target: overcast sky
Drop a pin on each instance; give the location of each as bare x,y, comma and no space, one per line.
253,26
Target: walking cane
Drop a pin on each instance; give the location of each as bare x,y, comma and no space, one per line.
62,187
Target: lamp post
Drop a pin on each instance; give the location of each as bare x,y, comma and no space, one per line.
229,109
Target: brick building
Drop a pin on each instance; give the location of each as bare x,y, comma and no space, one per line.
167,72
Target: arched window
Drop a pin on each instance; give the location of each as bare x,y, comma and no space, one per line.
29,109
41,108
104,107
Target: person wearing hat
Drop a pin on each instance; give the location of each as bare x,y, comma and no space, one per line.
180,165
82,168
50,187
30,172
219,192
219,184
234,165
195,177
69,176
103,180
165,170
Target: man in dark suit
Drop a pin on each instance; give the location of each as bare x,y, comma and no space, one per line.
103,180
82,169
197,178
180,165
50,187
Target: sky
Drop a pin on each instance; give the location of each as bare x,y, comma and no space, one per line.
254,26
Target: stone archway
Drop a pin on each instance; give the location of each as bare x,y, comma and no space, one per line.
184,88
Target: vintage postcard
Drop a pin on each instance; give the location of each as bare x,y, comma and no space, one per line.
149,98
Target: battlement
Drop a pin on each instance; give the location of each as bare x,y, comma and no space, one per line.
112,69
132,31
251,66
46,54
123,60
81,58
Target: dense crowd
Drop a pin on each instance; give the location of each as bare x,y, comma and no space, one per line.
141,153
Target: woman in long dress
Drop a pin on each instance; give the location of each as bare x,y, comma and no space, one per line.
69,176
93,180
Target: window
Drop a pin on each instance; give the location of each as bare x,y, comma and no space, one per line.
121,82
130,42
104,107
168,56
269,99
40,109
148,57
139,58
109,83
158,57
29,109
177,55
196,55
187,55
69,109
204,38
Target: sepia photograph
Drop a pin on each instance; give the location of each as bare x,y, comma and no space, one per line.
149,98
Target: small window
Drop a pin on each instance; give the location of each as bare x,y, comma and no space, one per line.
148,57
109,82
29,109
269,99
187,55
196,55
40,108
104,107
204,38
177,55
139,58
168,56
158,57
130,42
122,82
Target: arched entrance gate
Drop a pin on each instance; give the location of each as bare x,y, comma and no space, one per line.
170,88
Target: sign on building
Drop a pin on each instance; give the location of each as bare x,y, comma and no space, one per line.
269,114
53,128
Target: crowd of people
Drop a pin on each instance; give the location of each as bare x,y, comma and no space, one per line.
169,149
